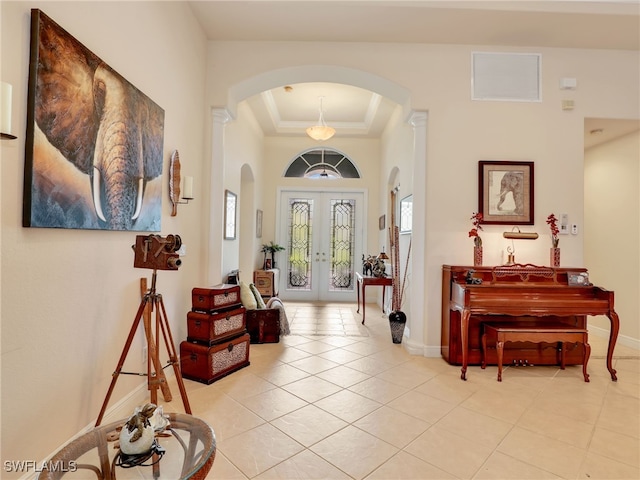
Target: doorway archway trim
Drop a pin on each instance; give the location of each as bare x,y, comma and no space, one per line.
318,73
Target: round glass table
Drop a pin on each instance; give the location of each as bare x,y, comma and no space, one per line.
189,444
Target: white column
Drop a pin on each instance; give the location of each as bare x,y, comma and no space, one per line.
220,117
414,344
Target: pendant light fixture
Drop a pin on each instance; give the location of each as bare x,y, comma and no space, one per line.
321,131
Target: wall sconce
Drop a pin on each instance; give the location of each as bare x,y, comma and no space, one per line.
5,112
174,184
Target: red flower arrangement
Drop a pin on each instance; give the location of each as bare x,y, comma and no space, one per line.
476,218
553,224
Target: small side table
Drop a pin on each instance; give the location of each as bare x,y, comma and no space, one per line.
190,451
363,281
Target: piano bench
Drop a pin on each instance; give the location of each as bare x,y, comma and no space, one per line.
501,333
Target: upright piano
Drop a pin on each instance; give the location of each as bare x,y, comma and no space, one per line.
473,295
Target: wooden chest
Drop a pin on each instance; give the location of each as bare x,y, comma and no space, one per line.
266,281
263,325
216,298
206,364
210,329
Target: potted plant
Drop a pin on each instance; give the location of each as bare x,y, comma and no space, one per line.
552,221
271,248
476,220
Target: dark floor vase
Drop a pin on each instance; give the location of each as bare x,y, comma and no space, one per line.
397,321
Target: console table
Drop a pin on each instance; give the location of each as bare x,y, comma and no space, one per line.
190,451
363,281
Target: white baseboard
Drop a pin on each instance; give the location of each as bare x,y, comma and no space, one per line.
622,339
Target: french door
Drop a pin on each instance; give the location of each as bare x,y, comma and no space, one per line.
324,235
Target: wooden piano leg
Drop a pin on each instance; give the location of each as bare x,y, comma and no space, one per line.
585,358
613,336
484,351
500,351
464,339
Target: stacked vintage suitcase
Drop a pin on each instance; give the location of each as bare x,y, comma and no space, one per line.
217,340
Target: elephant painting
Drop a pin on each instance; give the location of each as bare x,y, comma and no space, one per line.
94,141
512,182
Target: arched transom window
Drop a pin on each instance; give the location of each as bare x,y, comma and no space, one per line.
322,163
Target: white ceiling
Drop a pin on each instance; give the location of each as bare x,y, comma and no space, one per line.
356,112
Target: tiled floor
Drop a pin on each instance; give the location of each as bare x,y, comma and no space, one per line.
354,405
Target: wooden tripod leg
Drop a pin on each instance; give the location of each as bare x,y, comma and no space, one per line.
152,350
123,357
171,349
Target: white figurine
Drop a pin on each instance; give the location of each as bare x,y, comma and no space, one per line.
136,436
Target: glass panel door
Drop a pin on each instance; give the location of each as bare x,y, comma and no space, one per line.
323,233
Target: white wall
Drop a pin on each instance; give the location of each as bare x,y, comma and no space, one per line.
243,148
69,297
612,228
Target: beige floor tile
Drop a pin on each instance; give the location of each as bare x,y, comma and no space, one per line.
343,376
340,355
616,446
316,347
368,365
292,354
506,402
314,364
449,452
242,386
273,403
224,469
378,390
348,405
421,406
548,454
392,426
337,341
448,388
305,465
557,426
404,466
354,451
602,468
621,414
259,449
404,377
227,417
282,374
503,467
312,388
309,424
391,354
566,404
363,348
475,426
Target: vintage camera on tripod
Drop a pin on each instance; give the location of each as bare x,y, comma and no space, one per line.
157,252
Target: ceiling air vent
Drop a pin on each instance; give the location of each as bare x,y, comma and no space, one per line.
512,77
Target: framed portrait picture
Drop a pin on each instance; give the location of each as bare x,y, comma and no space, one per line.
505,192
258,223
382,222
